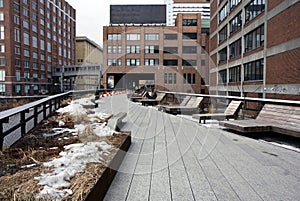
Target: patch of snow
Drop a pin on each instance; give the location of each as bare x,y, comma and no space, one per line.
61,123
73,108
73,160
28,166
102,130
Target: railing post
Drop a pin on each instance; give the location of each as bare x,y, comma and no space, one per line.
1,135
35,115
23,123
50,106
44,110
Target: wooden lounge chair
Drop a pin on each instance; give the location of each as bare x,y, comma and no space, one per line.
183,103
135,97
192,106
272,118
231,112
157,100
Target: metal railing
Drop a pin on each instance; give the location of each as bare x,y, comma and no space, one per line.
251,106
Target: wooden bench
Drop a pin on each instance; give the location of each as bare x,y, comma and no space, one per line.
135,97
192,106
183,103
272,118
115,122
157,100
231,112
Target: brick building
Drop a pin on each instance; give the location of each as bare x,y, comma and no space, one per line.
35,36
169,57
255,48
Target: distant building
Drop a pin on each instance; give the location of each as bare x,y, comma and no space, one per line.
88,54
169,57
187,6
34,37
86,74
87,51
255,48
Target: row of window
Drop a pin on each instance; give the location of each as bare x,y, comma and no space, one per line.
153,62
26,88
253,71
151,49
171,78
137,36
34,65
253,9
253,40
26,76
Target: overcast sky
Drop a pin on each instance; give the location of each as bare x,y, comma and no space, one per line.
92,15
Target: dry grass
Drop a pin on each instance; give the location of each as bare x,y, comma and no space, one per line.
80,118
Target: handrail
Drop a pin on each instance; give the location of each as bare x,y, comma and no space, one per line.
264,100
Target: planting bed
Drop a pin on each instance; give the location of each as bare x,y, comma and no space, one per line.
69,156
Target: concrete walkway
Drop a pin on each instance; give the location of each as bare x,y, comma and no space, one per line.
172,158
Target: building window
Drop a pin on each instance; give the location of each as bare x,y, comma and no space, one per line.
109,50
133,62
253,9
235,74
189,49
170,62
133,49
223,55
114,49
133,36
16,7
223,76
16,34
2,48
35,55
189,78
1,16
25,24
26,53
151,49
203,62
189,22
34,6
1,32
189,36
166,78
18,76
120,49
35,65
114,36
254,70
175,78
1,3
233,3
26,64
151,62
34,41
223,34
17,50
189,62
255,39
170,36
16,19
223,13
170,80
2,88
42,44
170,50
34,16
2,75
235,49
151,36
34,28
26,38
119,62
25,12
235,23
17,62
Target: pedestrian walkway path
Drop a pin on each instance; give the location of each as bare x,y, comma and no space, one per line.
173,158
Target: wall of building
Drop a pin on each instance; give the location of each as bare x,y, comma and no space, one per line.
161,70
274,49
37,36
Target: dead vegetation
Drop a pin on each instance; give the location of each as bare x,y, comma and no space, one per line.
21,163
